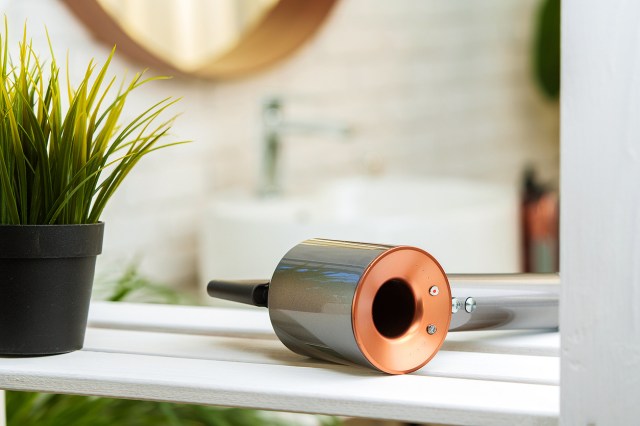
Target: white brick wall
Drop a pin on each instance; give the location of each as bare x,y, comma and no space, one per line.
432,87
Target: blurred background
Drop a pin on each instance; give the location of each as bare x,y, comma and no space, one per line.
423,122
397,122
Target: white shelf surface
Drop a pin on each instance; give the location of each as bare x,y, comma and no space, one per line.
231,357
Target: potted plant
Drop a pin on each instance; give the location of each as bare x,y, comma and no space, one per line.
63,153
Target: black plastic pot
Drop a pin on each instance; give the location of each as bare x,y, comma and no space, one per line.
46,275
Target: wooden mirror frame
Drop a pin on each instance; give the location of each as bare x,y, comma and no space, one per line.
284,28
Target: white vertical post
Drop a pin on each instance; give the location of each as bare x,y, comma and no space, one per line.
600,219
3,415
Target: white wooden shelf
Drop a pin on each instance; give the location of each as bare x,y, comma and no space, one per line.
231,357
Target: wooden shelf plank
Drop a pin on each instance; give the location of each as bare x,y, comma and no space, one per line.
255,323
181,319
231,357
517,342
466,365
3,417
333,389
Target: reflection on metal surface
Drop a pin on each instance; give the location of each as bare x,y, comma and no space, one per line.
506,301
456,304
367,304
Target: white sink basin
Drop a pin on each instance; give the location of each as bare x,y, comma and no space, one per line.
468,226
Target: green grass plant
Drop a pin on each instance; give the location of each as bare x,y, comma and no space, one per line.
64,151
41,409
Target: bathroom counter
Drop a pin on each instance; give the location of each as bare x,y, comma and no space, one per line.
231,357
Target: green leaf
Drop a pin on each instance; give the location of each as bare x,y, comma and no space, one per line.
63,164
546,58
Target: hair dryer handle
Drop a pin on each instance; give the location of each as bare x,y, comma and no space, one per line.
249,292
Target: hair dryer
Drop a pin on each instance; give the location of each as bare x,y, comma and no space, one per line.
386,307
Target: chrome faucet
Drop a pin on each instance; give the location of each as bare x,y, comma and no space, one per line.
274,126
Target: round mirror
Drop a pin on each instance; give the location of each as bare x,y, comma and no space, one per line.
207,38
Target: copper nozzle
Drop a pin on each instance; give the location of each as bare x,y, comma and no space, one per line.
393,309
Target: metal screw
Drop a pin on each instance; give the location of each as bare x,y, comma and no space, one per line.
470,304
431,329
455,305
434,290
